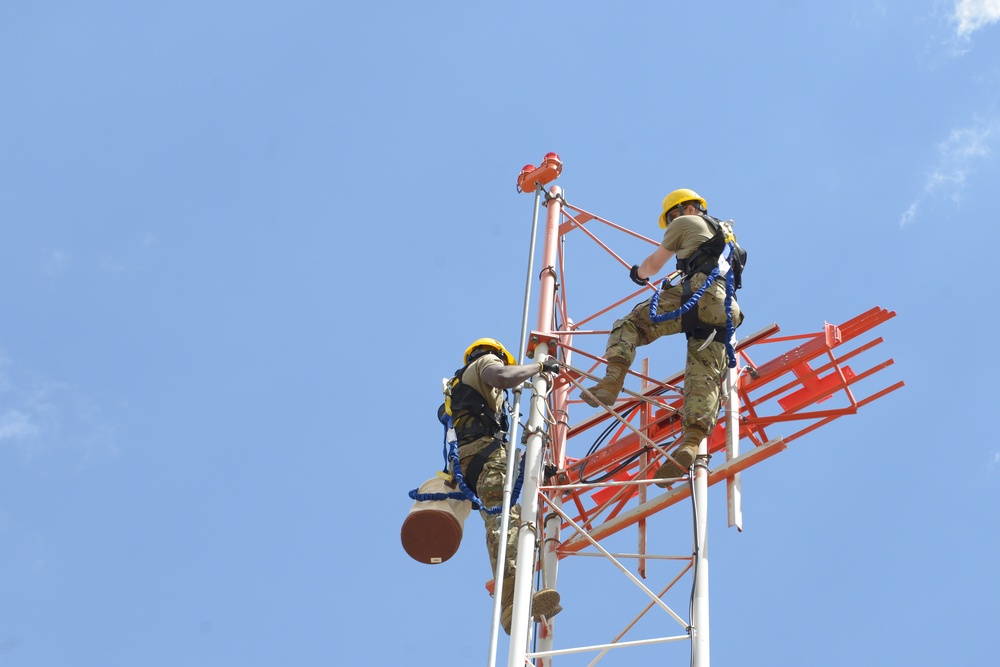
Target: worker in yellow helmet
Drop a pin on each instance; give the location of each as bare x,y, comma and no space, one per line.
476,405
697,240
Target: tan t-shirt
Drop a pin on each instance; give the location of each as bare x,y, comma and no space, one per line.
685,234
473,376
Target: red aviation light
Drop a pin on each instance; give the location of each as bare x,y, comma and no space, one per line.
545,173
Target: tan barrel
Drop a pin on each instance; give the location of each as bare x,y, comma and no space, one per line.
432,531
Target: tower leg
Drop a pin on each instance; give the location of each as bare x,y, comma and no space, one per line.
550,570
699,608
529,530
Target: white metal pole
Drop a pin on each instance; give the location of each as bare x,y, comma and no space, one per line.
699,603
508,488
528,532
550,572
734,493
535,442
530,277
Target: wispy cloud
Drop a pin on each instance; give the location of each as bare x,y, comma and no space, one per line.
16,425
56,262
995,461
957,157
41,418
971,15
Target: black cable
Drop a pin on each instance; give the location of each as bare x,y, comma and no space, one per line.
597,445
604,435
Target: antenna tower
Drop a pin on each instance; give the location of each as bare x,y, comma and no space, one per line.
588,485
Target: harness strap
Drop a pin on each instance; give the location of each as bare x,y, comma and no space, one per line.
703,333
475,467
689,320
691,325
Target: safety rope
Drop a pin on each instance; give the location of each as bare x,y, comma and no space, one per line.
465,493
730,327
693,301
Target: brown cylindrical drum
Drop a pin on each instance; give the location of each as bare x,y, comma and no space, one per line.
432,531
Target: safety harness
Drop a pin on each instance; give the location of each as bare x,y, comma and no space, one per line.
707,259
472,417
706,256
452,466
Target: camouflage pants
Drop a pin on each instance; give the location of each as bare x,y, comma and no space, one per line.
489,488
703,373
704,369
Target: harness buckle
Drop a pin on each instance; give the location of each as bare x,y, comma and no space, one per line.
672,276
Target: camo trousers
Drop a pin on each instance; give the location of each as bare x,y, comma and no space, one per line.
490,491
704,369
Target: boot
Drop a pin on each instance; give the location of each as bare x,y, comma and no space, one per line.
606,391
507,604
543,603
669,470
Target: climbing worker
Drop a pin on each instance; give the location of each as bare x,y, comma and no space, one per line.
478,412
697,240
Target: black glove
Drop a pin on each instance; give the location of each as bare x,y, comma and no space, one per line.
634,275
550,365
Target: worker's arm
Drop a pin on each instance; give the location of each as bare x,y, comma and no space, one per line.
507,377
652,264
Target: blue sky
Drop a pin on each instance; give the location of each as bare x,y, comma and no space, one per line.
243,243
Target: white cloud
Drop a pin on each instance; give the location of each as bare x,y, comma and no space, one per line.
51,418
958,152
910,214
958,155
16,425
995,460
971,15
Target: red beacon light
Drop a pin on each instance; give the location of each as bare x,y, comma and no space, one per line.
545,173
525,170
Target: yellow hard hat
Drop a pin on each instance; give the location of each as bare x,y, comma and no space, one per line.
679,197
493,345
